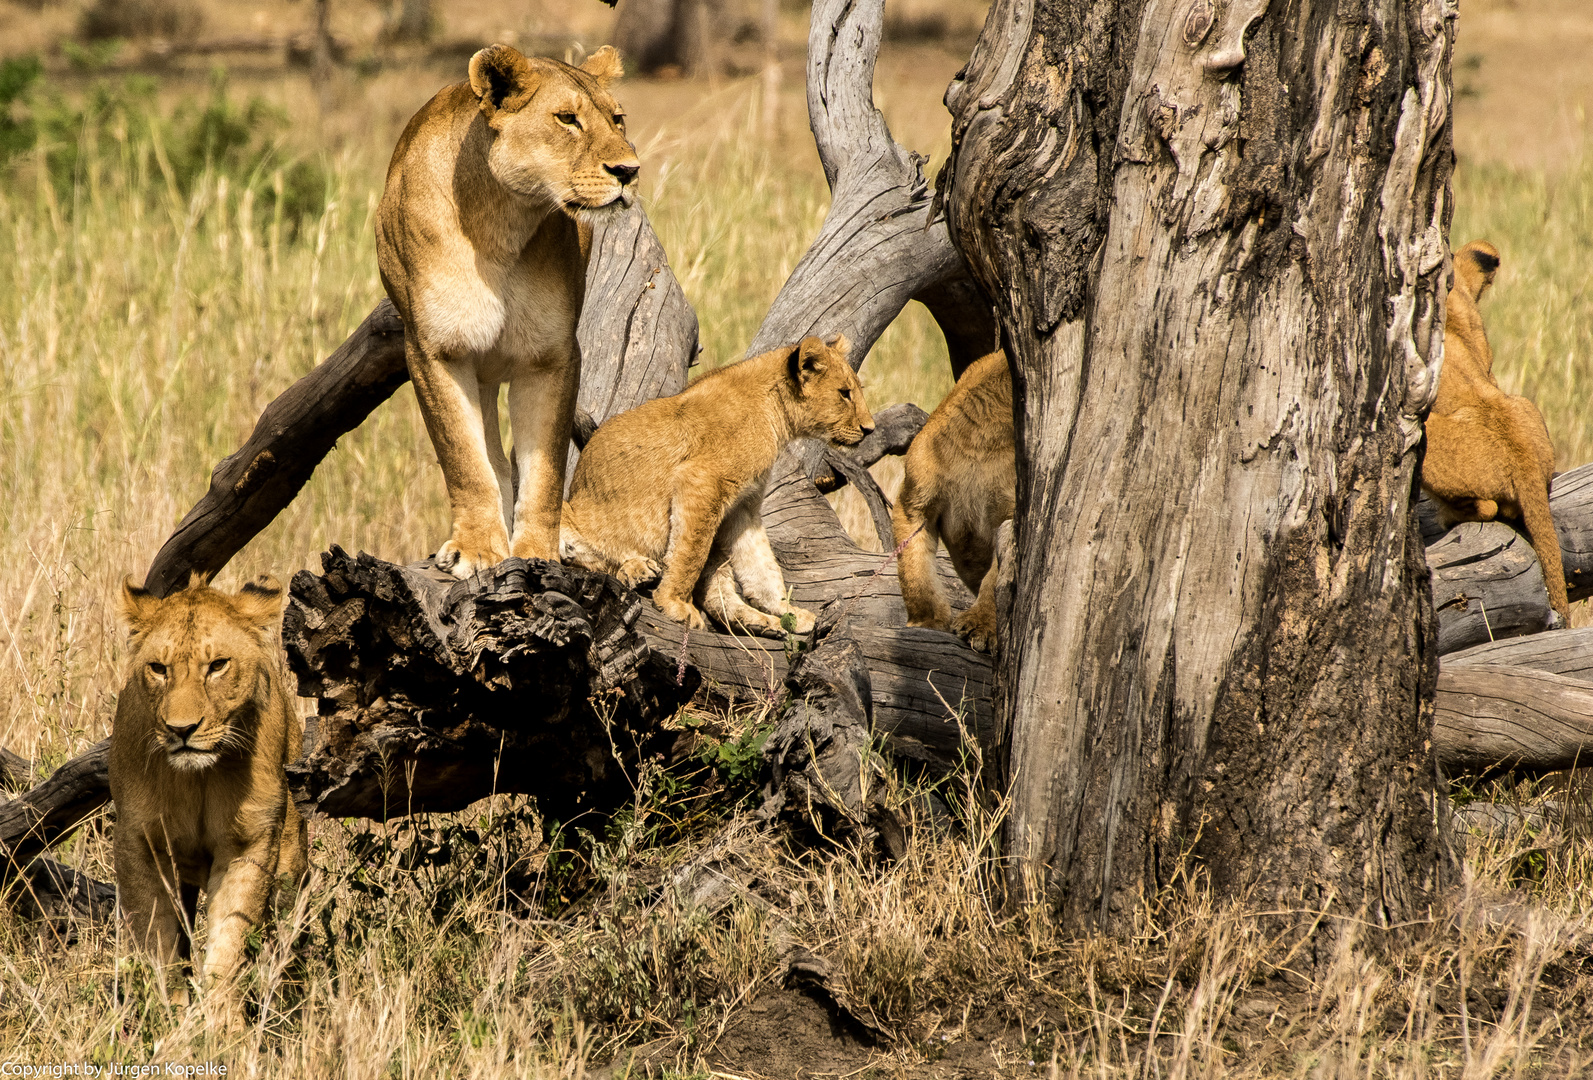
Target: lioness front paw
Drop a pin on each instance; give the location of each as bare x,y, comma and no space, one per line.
802,621
462,562
638,570
977,629
681,612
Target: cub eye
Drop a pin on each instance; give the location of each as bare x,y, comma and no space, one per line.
847,394
619,121
157,669
569,119
218,666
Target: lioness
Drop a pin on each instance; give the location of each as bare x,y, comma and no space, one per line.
482,242
960,485
1488,452
675,487
202,730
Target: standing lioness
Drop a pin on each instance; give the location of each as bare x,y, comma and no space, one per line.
480,247
203,728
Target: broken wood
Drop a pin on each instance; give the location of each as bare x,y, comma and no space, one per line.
54,808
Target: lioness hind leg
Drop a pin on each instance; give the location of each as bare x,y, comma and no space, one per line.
541,410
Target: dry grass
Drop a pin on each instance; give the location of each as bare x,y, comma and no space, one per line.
142,328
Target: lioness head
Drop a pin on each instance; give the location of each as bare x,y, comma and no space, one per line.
558,133
199,656
828,391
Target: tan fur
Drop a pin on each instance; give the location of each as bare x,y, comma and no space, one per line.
673,489
1488,452
960,485
482,243
203,728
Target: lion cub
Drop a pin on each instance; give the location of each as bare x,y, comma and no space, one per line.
202,731
482,238
1488,452
960,485
675,487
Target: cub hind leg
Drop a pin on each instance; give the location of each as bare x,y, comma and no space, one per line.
633,568
757,571
918,538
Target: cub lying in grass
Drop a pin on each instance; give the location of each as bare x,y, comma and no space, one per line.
960,485
202,731
1488,452
673,489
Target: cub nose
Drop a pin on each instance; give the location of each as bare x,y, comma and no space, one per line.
868,429
623,173
182,733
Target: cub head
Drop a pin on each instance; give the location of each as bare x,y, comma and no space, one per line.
557,132
829,396
202,661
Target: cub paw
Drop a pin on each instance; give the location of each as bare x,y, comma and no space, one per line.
463,562
977,630
802,620
638,570
681,612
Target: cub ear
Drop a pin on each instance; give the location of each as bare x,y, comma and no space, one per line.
839,343
501,78
604,65
807,360
260,602
1475,266
135,607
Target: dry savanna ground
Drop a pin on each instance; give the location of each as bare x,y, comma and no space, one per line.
181,244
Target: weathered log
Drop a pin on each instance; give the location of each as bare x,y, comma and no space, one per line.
1494,717
1562,652
54,808
434,692
50,890
16,771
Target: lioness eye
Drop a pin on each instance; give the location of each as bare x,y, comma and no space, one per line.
567,118
157,668
218,666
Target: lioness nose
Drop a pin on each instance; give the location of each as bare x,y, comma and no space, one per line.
181,732
623,173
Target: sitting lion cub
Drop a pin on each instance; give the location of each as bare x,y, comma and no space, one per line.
202,731
482,238
1488,452
960,485
675,486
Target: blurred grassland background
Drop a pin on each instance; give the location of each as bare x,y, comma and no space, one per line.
182,239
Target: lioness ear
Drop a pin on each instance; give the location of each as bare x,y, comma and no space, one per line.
604,65
1475,266
136,606
260,602
501,78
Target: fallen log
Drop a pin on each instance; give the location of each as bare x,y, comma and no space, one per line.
53,809
1494,717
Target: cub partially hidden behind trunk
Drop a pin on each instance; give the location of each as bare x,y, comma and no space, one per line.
1488,452
673,489
203,729
960,484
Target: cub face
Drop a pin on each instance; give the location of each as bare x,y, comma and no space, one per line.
559,136
198,656
830,395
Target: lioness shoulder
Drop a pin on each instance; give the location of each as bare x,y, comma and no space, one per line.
1488,452
673,489
203,728
482,239
959,485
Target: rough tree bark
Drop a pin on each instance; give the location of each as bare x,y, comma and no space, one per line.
1215,239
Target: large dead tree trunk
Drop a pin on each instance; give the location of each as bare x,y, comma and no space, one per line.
1215,237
